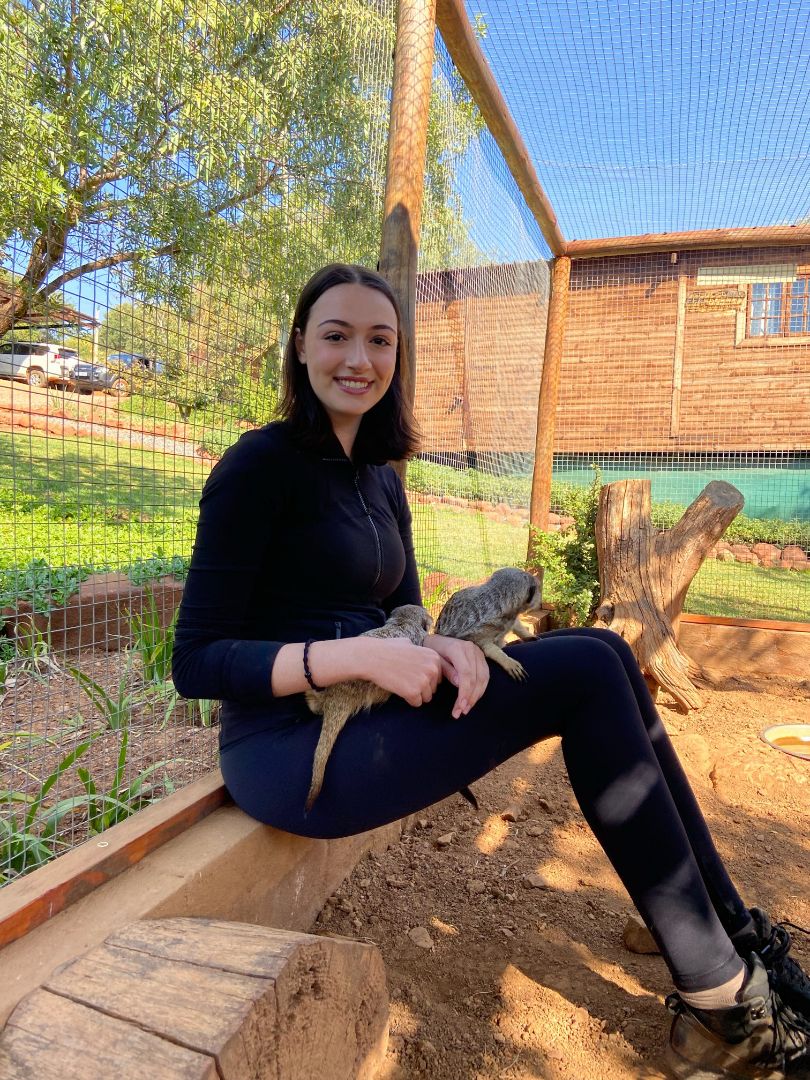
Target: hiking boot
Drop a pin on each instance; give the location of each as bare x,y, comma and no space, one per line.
753,1040
790,982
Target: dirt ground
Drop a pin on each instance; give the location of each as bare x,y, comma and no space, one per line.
492,976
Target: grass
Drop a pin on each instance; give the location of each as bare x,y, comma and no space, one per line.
107,505
89,502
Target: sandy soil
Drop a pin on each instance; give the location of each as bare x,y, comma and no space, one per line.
491,976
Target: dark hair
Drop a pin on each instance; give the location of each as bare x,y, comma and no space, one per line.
387,431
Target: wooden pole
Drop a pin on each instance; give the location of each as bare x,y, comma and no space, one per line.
703,240
549,393
405,177
458,36
677,359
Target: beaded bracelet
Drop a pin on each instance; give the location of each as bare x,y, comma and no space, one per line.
307,672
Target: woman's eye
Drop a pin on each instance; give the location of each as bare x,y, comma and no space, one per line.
381,341
334,335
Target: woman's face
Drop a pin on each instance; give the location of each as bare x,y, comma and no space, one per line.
349,348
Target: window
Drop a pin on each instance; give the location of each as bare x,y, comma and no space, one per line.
779,309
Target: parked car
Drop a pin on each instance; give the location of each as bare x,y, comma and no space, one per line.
114,376
38,363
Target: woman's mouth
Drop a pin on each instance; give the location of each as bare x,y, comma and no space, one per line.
353,386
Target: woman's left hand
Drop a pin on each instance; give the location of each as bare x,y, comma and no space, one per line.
465,666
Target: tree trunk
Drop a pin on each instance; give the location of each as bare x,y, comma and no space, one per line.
644,574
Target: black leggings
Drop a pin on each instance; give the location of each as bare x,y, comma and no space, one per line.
583,685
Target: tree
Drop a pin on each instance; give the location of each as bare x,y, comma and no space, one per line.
223,143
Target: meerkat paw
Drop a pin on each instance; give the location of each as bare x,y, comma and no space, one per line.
514,668
511,666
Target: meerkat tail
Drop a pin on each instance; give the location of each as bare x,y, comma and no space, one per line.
332,725
509,664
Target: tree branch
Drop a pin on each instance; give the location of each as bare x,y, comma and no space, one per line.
102,264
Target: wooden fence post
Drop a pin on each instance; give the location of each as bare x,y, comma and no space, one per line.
405,176
549,394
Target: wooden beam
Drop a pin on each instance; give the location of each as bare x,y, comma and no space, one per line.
32,900
677,359
703,240
549,394
454,26
405,175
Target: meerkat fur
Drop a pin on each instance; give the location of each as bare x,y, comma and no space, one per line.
339,703
486,613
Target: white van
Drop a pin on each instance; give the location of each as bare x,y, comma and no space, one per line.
37,363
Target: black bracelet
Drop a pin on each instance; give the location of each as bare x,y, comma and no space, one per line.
307,672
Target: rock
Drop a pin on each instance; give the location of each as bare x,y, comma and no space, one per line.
498,1037
768,554
726,556
511,813
446,840
544,806
507,933
794,558
637,938
535,881
420,937
474,888
535,830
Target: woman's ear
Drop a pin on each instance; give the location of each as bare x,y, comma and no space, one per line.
299,346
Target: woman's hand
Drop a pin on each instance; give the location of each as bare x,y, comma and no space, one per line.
400,667
465,666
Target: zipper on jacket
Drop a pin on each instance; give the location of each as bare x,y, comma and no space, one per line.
338,629
367,512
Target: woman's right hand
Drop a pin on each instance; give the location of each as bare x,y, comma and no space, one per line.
410,671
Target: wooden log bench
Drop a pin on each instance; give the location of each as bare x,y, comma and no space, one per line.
204,999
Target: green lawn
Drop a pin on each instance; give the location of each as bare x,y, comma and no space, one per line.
81,502
86,502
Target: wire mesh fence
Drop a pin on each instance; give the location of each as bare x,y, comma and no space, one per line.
160,207
184,169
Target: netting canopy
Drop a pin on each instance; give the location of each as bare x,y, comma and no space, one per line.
658,115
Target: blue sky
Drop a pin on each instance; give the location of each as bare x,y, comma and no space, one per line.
659,115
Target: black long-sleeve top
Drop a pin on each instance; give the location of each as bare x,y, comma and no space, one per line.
291,544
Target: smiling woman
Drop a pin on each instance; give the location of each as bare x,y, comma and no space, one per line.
304,546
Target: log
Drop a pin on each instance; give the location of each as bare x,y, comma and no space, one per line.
204,998
644,574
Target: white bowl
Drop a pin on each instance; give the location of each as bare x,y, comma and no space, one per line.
793,739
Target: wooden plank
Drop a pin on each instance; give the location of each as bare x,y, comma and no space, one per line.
405,173
454,26
754,624
49,1037
30,901
703,240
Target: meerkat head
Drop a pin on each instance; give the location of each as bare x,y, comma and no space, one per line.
412,615
526,588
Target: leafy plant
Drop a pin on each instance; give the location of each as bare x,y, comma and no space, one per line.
115,711
29,841
41,585
152,642
119,802
569,561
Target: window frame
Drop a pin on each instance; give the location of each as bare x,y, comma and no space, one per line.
785,311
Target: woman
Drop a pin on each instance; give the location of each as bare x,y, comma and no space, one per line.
304,542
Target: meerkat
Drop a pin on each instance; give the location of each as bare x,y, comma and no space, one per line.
339,703
486,613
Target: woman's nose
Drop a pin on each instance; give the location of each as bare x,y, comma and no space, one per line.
358,356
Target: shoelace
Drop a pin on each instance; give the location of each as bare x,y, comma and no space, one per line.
788,1036
775,956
